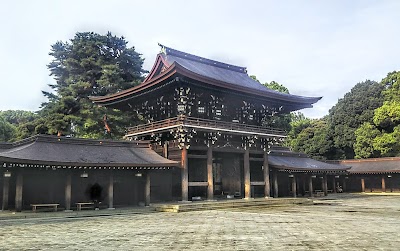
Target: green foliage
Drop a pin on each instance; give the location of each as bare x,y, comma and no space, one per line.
364,145
90,64
388,144
388,115
311,137
17,117
7,130
356,108
277,87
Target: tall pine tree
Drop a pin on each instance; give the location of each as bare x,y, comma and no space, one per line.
90,64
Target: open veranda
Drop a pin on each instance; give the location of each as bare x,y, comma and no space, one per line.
336,222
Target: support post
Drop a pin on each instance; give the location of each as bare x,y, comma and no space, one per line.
247,186
165,149
210,181
294,186
111,191
267,188
325,185
334,184
68,187
147,190
362,185
6,187
310,186
18,191
185,175
275,178
344,185
383,184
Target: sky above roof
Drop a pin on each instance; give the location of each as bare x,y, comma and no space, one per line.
315,48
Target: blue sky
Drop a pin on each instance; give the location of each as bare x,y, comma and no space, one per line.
315,48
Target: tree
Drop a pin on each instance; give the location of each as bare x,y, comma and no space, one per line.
7,130
350,112
311,137
88,65
364,144
381,136
17,117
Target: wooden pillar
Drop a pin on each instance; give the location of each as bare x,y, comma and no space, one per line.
362,185
165,149
210,181
185,175
310,186
294,186
275,180
383,184
68,187
344,188
303,182
267,187
6,188
334,184
111,191
147,190
247,186
325,185
18,191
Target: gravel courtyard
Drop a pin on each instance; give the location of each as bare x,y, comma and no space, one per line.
342,222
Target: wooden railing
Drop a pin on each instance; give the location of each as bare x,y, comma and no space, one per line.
201,123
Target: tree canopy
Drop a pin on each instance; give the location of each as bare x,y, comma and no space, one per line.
90,64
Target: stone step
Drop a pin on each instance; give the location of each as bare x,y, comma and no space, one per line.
226,204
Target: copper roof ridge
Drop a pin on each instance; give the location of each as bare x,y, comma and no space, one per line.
369,160
173,52
80,141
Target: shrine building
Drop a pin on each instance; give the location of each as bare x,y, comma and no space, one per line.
203,137
209,116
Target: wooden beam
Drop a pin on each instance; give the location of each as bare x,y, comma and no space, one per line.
267,188
362,185
275,180
210,181
383,184
18,191
68,191
294,186
111,191
325,184
197,156
257,183
246,165
147,189
6,188
198,183
310,185
185,174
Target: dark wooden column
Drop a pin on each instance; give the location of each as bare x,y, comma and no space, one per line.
310,186
362,185
275,181
294,186
344,188
334,184
18,191
383,184
6,188
147,189
247,186
185,176
165,149
325,184
68,187
267,187
111,191
210,181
